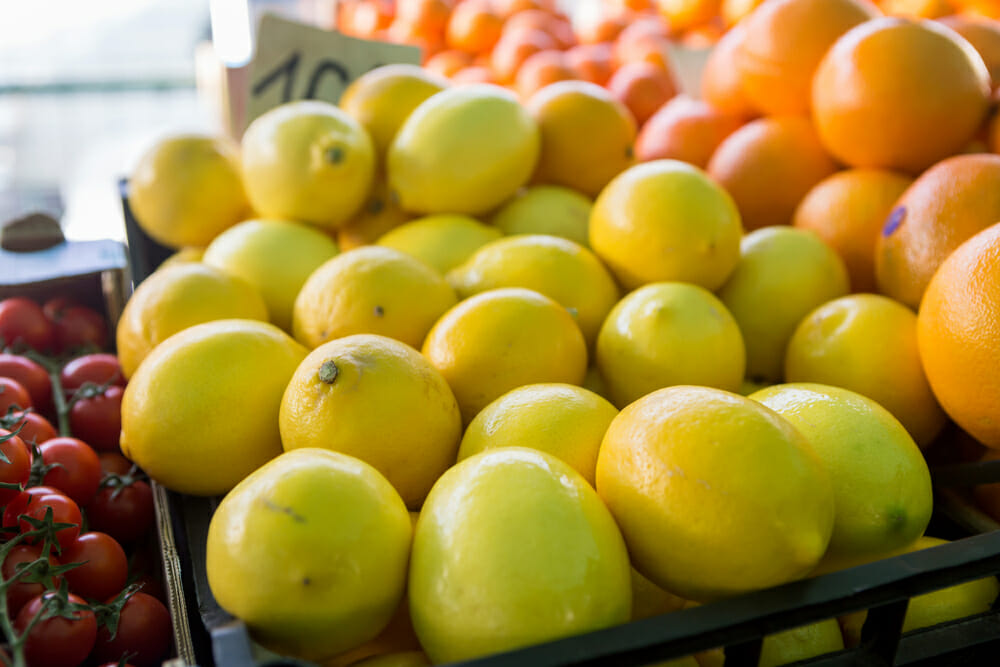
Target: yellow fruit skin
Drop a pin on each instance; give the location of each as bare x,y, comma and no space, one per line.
802,643
664,221
565,421
183,256
464,150
648,599
201,413
668,334
310,552
379,214
868,343
503,339
513,548
547,209
370,290
783,274
715,494
376,399
187,189
308,161
881,484
440,241
275,257
177,297
396,638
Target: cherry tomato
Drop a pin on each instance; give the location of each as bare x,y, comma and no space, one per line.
13,393
56,305
150,585
17,470
79,472
57,641
104,570
125,517
77,326
20,592
96,368
22,321
98,420
32,377
19,505
143,629
64,510
114,463
35,429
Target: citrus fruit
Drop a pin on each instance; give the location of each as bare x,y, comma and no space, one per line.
379,214
591,62
734,11
513,548
801,643
186,189
715,494
666,220
308,161
324,539
721,84
201,413
783,274
881,485
546,209
984,35
372,290
474,27
957,331
464,150
648,599
447,63
395,638
441,241
642,87
667,334
516,46
685,14
540,70
183,256
685,129
176,297
537,339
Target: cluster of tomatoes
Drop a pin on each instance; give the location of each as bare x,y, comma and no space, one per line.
78,578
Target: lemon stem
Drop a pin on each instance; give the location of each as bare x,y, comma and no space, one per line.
328,372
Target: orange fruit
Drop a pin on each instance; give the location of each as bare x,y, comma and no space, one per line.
650,27
687,14
473,27
783,44
950,202
508,8
993,133
984,35
472,75
958,327
720,78
603,28
643,88
401,32
847,211
558,27
917,9
540,70
591,62
704,36
514,48
899,94
652,50
367,17
768,166
685,129
734,11
426,17
447,63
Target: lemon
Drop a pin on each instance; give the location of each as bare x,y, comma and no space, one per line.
501,340
176,297
440,241
881,484
186,189
370,290
310,551
396,637
648,599
376,399
183,256
379,214
563,420
748,387
783,274
715,494
666,334
513,548
558,268
382,98
666,221
868,343
201,413
308,161
546,209
274,256
801,643
464,150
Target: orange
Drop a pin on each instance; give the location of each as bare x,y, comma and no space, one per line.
401,32
472,75
899,94
540,70
368,17
984,35
993,133
473,27
958,327
557,27
514,48
686,14
425,17
783,44
720,78
591,62
507,8
734,11
604,28
847,211
768,166
448,63
650,27
704,36
917,9
685,129
950,202
643,88
649,49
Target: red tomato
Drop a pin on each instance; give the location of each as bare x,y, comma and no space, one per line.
79,471
150,585
143,629
104,570
35,429
77,326
17,470
20,592
114,463
126,516
32,377
13,393
64,510
22,321
54,306
19,505
57,641
96,368
98,420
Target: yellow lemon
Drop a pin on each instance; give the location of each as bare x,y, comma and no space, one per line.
370,290
440,241
176,297
648,599
501,340
464,150
186,189
396,637
715,494
513,548
308,161
274,256
558,268
379,214
881,484
801,643
783,273
310,551
563,420
183,256
666,221
201,413
378,400
546,209
665,334
868,344
748,387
